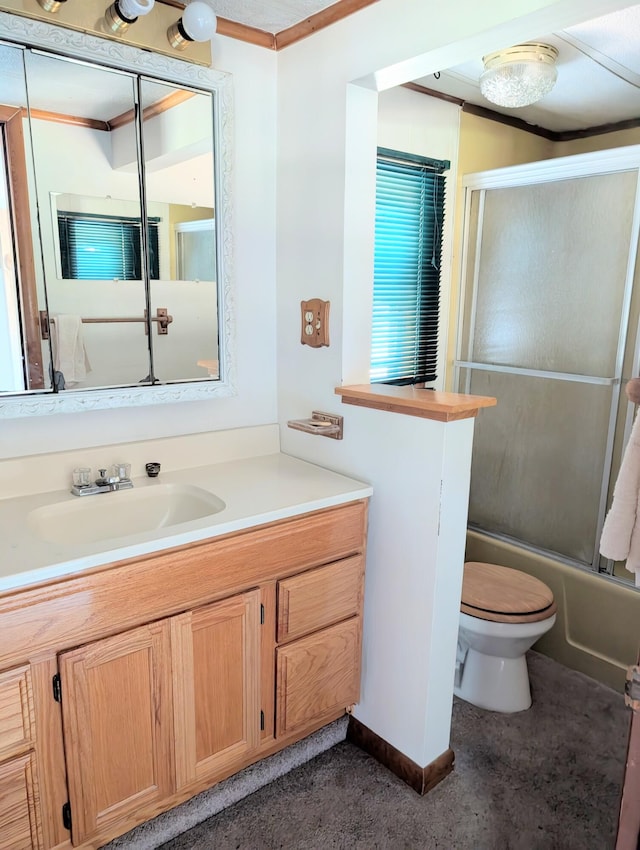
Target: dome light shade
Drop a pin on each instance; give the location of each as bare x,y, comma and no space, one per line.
520,75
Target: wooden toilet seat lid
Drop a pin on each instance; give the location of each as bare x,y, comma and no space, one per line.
502,594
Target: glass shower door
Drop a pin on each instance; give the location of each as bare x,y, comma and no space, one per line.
548,282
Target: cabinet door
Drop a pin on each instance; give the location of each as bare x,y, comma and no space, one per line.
19,824
317,676
16,711
116,709
216,677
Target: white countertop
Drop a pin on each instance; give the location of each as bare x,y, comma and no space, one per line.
255,491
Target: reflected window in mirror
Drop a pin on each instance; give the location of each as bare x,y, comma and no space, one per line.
195,250
98,247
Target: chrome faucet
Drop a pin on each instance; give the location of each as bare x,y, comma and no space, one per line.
111,482
117,479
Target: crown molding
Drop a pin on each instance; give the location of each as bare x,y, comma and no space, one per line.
519,124
330,15
242,32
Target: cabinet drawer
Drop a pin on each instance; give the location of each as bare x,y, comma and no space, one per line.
317,676
16,711
319,598
19,815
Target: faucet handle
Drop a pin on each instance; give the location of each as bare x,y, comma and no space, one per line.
82,476
121,471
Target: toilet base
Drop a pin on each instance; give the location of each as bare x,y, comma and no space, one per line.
497,684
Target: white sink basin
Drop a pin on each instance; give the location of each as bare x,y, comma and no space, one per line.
87,519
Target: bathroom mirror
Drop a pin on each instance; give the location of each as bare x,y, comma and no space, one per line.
114,231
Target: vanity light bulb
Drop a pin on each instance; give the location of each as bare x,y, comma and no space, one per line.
132,9
122,13
199,21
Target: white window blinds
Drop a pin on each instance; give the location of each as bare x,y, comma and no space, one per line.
406,290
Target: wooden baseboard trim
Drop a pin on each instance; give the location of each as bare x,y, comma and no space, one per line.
421,779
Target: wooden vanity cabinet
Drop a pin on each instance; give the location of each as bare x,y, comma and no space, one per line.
172,672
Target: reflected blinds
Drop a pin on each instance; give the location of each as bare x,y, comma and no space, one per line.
406,290
96,247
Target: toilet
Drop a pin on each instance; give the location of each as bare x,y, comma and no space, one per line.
503,612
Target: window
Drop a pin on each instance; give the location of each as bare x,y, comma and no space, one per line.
196,249
406,286
99,247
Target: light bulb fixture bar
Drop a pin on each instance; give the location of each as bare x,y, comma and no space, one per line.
148,24
198,21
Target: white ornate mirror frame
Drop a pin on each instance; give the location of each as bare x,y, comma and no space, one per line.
24,31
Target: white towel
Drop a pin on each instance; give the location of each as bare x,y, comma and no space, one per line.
621,531
69,352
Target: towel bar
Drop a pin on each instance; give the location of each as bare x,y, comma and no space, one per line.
162,317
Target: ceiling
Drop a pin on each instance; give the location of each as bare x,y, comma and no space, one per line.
598,62
598,76
271,16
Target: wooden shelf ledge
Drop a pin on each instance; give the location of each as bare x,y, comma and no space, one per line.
428,404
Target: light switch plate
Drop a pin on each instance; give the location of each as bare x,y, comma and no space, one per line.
314,316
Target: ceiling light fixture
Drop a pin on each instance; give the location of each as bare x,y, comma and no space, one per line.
122,13
520,75
198,23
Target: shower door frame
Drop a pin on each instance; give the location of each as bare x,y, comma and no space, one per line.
547,171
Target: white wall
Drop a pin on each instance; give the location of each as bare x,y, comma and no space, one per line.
327,131
326,160
253,215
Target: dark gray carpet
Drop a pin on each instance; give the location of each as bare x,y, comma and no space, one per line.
544,779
